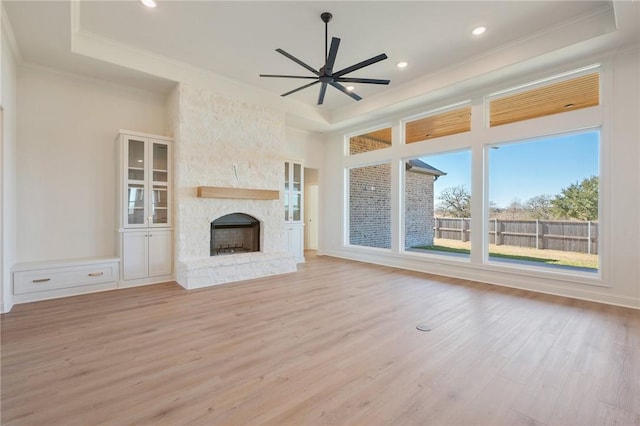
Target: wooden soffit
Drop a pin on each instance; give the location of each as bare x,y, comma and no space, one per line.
568,95
438,125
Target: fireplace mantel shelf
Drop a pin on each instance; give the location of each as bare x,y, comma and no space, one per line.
237,193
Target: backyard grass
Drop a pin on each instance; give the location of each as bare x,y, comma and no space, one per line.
550,257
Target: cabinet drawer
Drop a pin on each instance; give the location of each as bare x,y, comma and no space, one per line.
55,278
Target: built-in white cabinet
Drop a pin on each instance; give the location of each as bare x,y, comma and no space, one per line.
60,278
146,254
145,208
293,203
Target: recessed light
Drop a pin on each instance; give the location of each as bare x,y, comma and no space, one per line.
149,3
350,88
402,64
478,30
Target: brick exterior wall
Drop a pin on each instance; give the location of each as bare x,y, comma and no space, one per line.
370,206
370,202
359,144
418,210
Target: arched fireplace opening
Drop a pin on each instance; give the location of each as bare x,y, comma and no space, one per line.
235,233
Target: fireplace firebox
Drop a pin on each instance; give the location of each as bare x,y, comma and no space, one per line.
235,233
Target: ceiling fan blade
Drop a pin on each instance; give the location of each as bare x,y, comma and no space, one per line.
362,80
323,90
301,87
288,76
359,65
344,90
331,59
297,61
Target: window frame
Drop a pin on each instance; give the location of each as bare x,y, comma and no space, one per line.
531,265
403,231
476,140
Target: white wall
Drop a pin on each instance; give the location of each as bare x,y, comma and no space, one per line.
8,162
304,146
620,282
66,161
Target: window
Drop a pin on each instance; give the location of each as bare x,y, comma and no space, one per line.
370,206
372,141
437,125
544,197
437,209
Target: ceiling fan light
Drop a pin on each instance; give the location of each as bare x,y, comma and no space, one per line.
402,64
350,88
478,30
149,3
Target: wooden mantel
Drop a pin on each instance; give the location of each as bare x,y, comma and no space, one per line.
241,193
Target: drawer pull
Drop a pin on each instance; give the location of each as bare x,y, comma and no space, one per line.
42,280
96,274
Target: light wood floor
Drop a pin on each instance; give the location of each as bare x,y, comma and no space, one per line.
335,343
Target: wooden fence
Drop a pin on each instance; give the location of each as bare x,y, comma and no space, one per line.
580,237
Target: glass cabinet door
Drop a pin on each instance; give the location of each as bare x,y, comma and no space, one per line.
135,204
136,161
136,172
293,184
297,177
147,182
159,205
160,162
296,206
160,189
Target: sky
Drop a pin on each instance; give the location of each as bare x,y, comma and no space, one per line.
520,171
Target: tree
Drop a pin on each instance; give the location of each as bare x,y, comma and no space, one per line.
539,207
455,202
513,211
578,201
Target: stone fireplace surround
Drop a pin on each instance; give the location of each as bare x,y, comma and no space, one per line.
228,143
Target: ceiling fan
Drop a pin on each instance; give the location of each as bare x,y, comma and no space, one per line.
325,75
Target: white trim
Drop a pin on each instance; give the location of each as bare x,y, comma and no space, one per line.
429,113
568,75
491,277
144,135
6,308
9,34
97,81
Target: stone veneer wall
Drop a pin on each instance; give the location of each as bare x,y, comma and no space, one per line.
214,133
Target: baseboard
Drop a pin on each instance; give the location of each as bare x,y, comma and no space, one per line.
488,276
5,308
146,281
